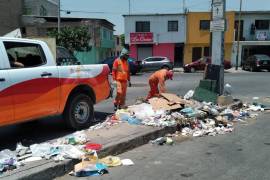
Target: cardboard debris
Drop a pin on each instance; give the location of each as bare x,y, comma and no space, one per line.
224,100
161,103
173,98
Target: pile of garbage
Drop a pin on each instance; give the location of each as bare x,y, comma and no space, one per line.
192,118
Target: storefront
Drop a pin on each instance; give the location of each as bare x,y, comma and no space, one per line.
156,35
142,46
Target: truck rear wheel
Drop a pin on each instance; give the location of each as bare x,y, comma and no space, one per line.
79,112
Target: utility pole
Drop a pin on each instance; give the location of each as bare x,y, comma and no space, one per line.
184,6
129,7
217,27
59,16
238,35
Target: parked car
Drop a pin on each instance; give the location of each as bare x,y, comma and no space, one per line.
200,64
33,87
155,63
257,62
64,57
134,65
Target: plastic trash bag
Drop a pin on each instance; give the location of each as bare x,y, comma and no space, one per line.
7,157
8,160
92,170
71,152
41,150
133,121
189,95
227,89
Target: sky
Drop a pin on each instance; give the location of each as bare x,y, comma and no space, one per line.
112,10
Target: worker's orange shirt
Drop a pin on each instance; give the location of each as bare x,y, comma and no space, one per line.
120,70
159,77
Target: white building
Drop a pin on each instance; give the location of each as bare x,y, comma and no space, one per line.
254,34
156,35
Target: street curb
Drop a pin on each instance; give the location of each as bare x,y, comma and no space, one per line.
51,169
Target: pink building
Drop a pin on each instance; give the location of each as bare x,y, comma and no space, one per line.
156,35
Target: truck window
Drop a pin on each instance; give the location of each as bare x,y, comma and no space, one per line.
64,57
24,55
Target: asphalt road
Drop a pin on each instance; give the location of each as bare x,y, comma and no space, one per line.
245,86
241,155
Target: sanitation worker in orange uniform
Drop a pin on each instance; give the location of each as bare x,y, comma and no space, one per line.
157,82
121,76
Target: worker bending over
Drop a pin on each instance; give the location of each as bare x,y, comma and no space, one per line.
157,82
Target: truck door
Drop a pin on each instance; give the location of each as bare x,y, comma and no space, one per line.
35,85
6,104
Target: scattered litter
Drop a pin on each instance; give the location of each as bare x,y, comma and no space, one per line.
162,141
85,170
91,146
31,159
40,150
71,152
191,117
127,162
111,161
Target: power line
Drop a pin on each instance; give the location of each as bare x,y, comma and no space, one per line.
91,12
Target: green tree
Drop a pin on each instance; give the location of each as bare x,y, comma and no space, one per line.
122,40
72,38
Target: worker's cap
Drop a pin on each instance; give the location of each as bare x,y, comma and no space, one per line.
124,52
170,74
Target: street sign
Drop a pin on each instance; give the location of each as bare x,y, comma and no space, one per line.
217,26
218,8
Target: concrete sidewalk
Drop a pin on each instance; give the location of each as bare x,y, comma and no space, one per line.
115,140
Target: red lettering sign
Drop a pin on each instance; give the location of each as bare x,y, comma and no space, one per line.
144,37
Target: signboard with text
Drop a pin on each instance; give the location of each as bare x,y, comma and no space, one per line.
217,25
141,37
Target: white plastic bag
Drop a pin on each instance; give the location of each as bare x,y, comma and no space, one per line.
189,94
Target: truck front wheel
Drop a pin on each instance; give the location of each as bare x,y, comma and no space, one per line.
79,112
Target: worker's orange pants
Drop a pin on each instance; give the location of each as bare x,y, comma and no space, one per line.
120,98
153,89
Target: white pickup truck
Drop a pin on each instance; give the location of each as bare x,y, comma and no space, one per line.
32,86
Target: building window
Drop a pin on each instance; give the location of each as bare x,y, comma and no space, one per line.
172,26
143,26
117,41
27,11
42,11
206,51
236,23
196,53
204,24
111,35
104,34
262,24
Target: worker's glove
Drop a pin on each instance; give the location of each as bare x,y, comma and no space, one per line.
129,84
